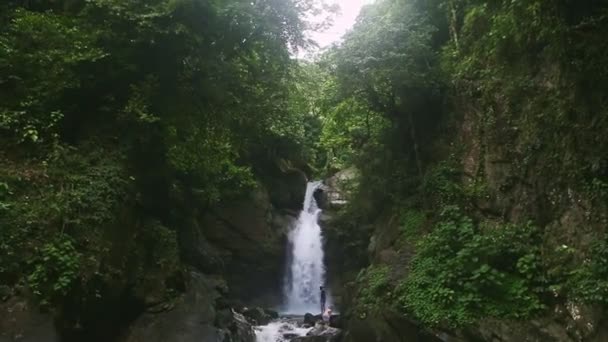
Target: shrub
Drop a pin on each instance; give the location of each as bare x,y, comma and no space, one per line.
464,272
56,269
374,288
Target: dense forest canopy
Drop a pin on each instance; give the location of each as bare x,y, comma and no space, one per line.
472,126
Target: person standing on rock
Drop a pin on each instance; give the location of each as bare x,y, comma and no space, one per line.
322,300
326,316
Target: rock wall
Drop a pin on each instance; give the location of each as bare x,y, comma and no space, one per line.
523,184
249,236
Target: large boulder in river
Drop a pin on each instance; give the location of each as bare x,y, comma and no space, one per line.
311,319
257,315
271,313
191,318
321,333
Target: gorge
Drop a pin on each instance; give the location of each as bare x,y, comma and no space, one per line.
157,158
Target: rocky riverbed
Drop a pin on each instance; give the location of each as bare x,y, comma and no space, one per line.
306,328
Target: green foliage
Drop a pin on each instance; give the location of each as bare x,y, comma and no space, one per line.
443,184
55,270
463,272
588,283
347,241
522,79
39,58
114,113
75,196
383,97
597,189
158,256
210,160
162,245
304,125
374,289
5,192
536,56
411,224
90,193
347,129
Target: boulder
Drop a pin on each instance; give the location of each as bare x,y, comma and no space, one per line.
192,318
311,319
239,330
257,315
271,313
321,333
336,322
312,339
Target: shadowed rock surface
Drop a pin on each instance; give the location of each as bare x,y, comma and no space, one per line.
192,318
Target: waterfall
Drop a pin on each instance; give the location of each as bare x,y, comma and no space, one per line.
306,271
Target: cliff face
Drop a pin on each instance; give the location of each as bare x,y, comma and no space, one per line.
515,176
529,176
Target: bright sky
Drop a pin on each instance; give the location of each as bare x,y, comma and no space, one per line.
349,10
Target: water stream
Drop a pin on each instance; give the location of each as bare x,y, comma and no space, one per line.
280,331
305,273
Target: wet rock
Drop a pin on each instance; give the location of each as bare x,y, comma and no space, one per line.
240,330
257,315
321,333
311,319
192,318
308,319
312,339
322,329
336,322
271,313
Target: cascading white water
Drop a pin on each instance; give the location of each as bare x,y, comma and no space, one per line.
279,331
307,271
